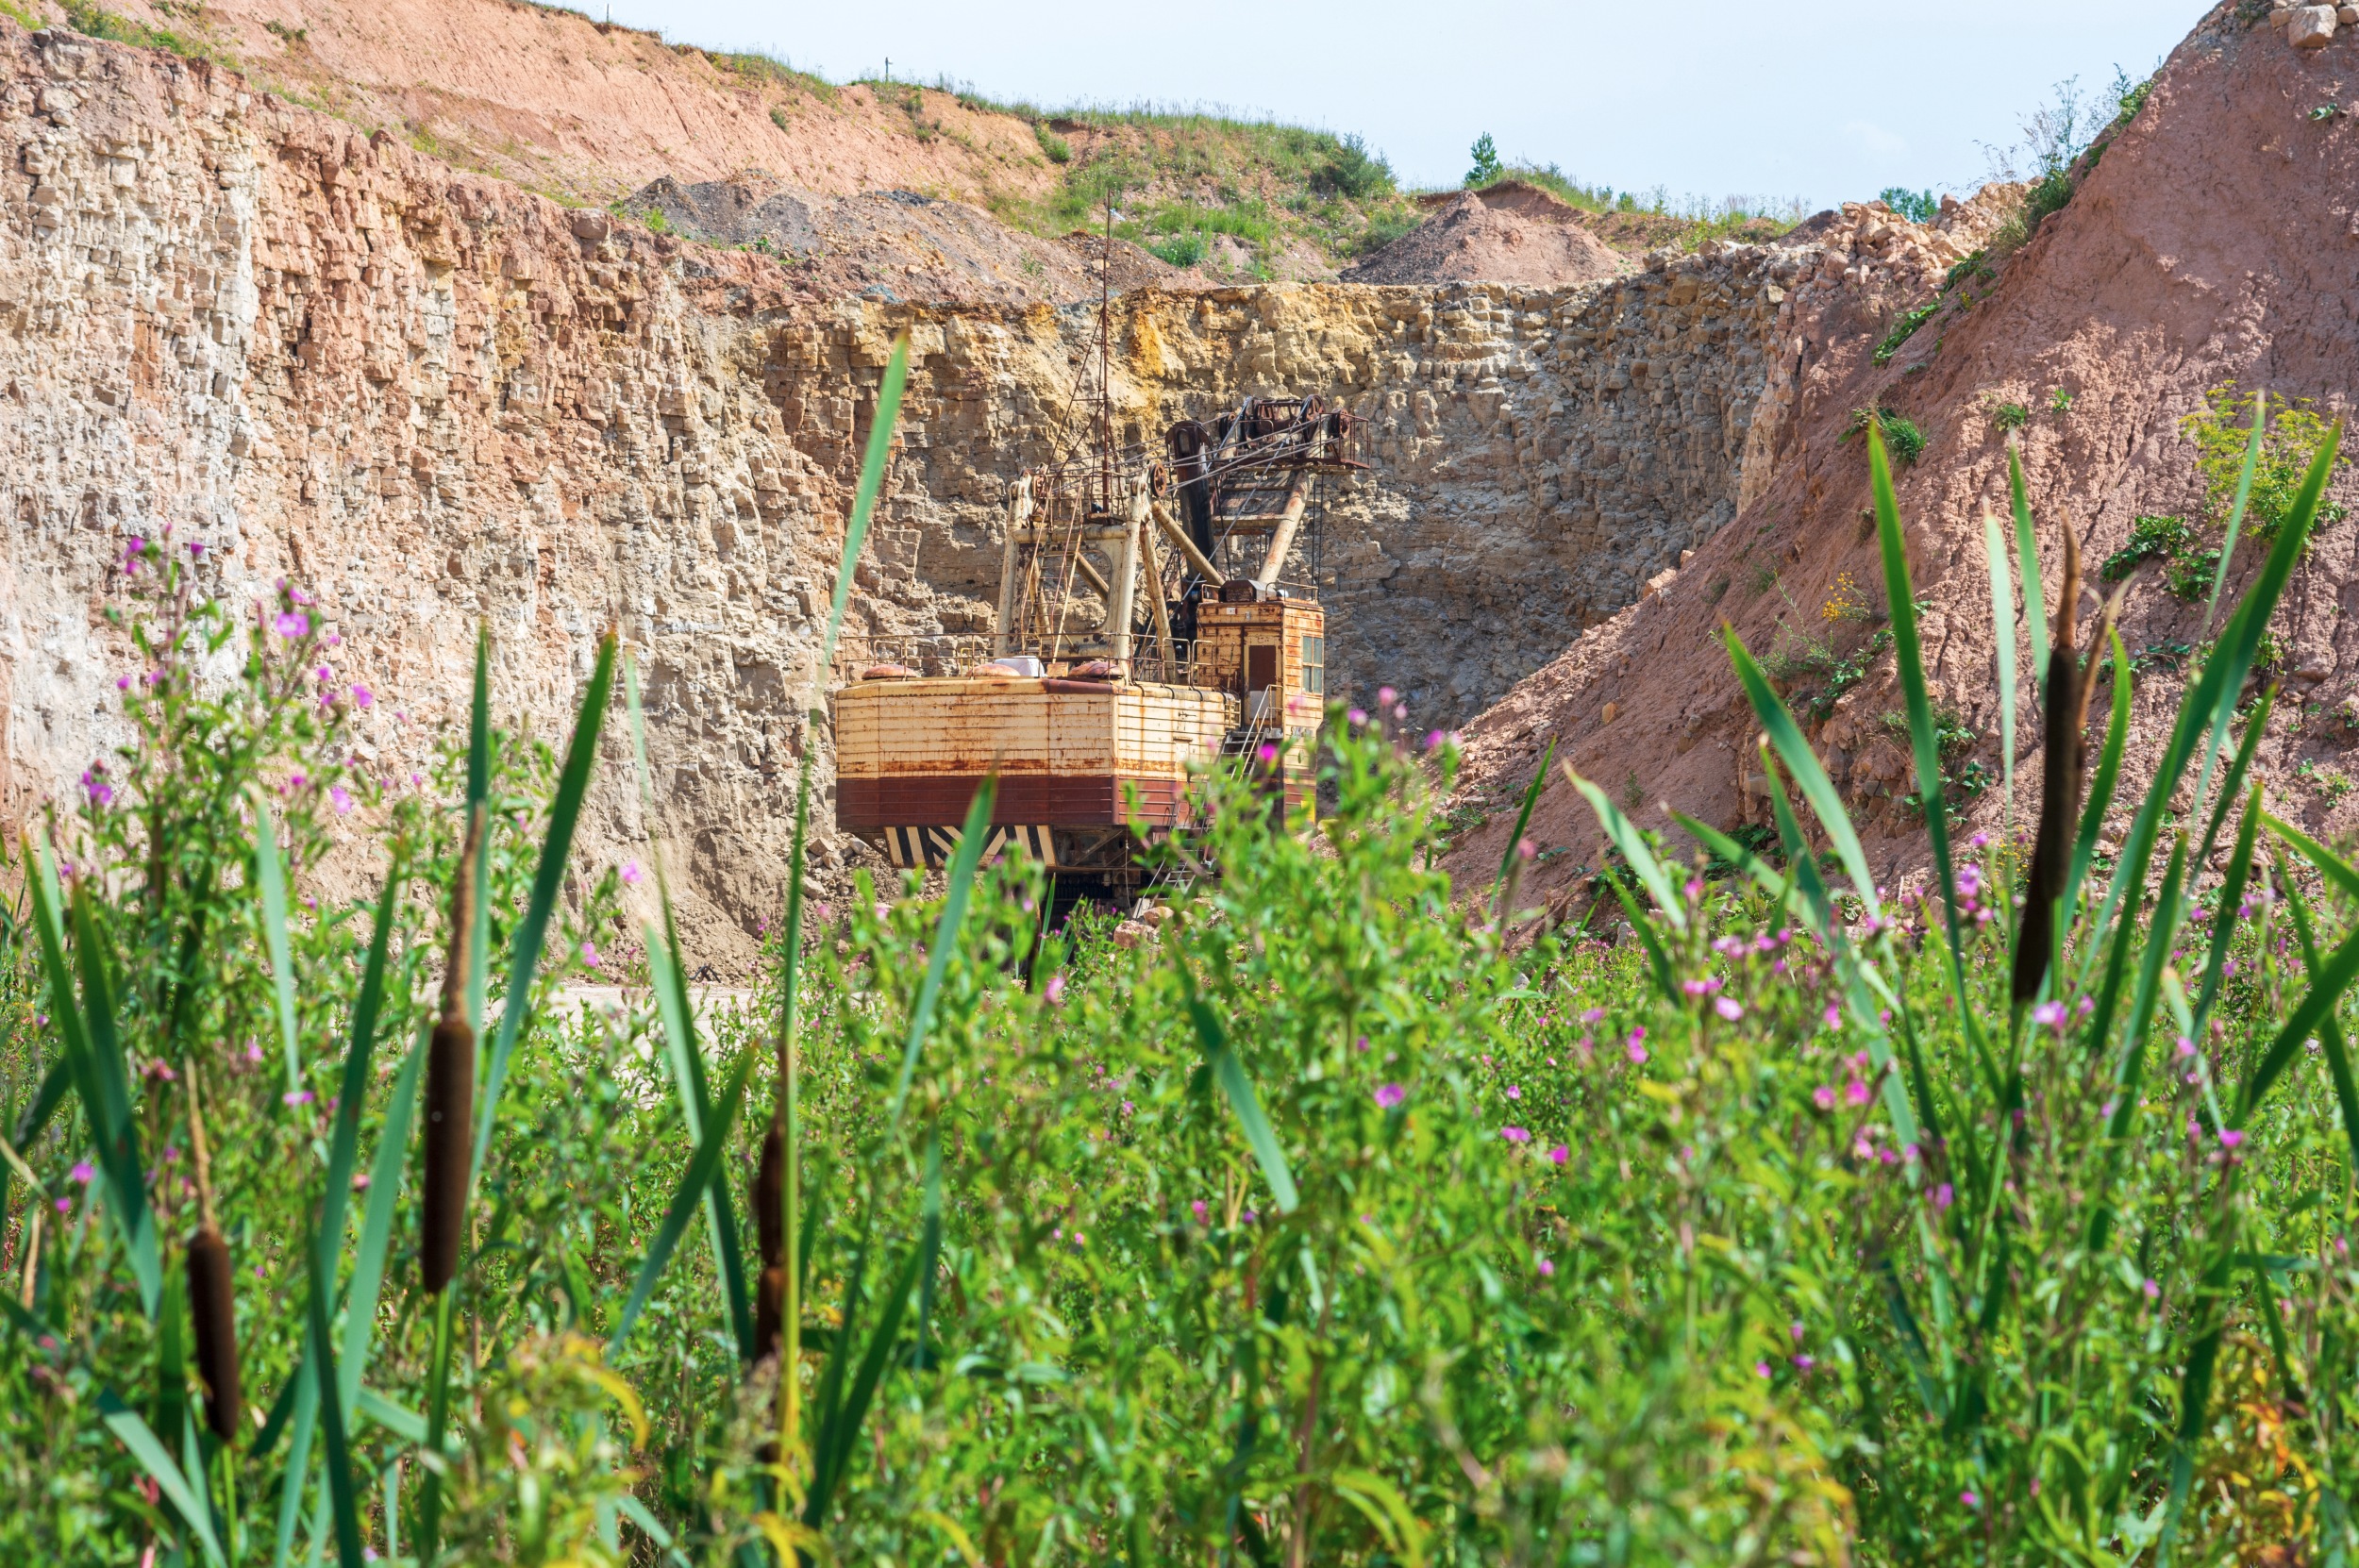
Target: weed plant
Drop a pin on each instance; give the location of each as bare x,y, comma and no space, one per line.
1348,1220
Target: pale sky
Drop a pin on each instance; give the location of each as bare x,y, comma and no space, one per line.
1825,100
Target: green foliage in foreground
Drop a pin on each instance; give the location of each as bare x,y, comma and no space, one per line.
1327,1227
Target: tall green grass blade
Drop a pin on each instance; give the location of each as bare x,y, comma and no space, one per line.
703,1166
269,879
89,1043
377,1220
2331,1029
2237,507
2108,774
437,1419
1809,776
2231,900
1900,595
2204,714
2002,653
2026,556
2195,1398
1633,844
572,781
1237,1085
1523,818
960,885
137,1436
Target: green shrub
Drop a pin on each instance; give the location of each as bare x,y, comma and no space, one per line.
1487,168
2189,574
2150,539
1918,206
1900,433
1904,328
2222,430
2010,416
1181,250
1355,172
1055,148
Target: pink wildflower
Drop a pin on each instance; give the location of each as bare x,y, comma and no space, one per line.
1728,1007
1389,1095
1516,1135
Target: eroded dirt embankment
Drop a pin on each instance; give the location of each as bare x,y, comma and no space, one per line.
436,399
2213,242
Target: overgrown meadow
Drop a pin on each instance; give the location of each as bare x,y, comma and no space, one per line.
1349,1220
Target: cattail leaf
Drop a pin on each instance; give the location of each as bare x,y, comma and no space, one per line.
2330,865
296,1480
344,1501
665,967
2027,559
1865,991
353,1092
270,880
929,1211
1909,653
703,1166
88,1040
1633,844
836,1444
2236,507
2232,786
2204,714
2231,902
479,798
1523,817
572,781
172,1352
1237,1085
376,1220
1779,888
1651,942
2108,773
2160,934
1809,775
958,882
2331,1037
56,1083
137,1436
2002,655
2327,984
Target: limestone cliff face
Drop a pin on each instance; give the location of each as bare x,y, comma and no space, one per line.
435,399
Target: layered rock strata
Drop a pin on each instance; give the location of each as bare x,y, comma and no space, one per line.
435,400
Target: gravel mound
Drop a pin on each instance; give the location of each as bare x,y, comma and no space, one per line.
1470,238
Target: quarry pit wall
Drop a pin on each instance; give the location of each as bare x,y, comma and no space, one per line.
432,399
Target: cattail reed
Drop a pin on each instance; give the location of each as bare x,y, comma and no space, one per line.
450,1086
2059,791
770,1223
212,1301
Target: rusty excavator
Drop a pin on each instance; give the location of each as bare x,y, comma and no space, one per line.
1156,614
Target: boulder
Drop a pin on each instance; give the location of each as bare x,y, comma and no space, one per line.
2311,26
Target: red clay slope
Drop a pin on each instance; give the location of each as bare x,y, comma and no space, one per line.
2216,239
